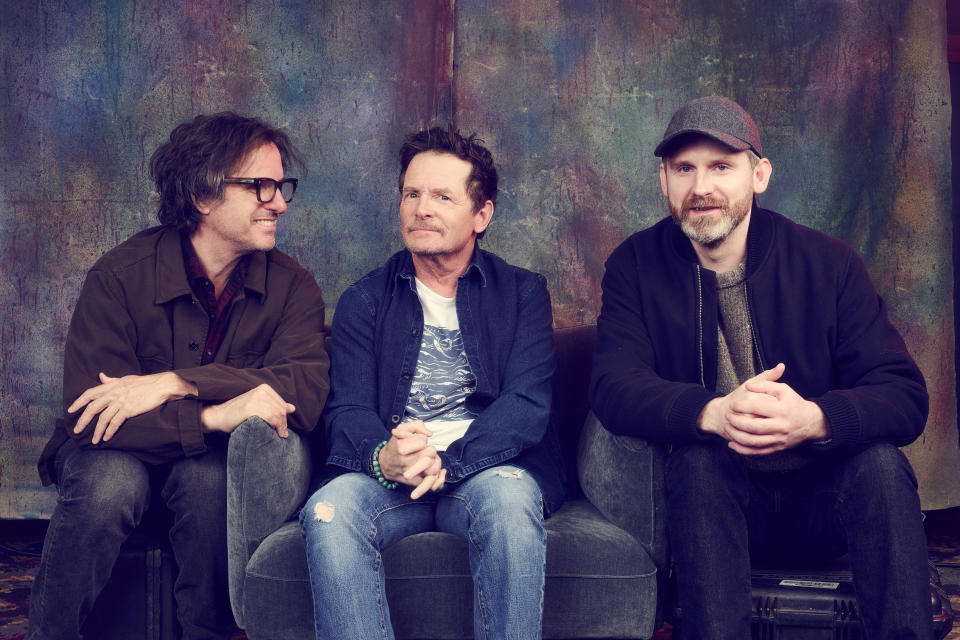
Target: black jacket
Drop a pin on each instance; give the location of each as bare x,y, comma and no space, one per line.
812,307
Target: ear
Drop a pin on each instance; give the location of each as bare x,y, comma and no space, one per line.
761,175
202,207
663,180
482,217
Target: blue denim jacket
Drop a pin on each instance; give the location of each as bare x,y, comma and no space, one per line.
507,328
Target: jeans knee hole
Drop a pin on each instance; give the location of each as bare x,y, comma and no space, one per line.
511,474
323,512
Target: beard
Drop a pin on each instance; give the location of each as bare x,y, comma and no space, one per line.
709,231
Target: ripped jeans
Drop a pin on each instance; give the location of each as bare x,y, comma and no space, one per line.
499,511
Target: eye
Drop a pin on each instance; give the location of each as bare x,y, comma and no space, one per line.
409,195
443,197
722,167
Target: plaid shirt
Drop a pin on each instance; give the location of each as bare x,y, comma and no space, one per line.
204,290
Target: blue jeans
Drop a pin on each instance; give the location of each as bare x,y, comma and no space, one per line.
102,497
720,516
499,511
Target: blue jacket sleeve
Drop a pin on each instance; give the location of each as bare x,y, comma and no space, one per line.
353,425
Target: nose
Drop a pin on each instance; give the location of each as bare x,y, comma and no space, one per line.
422,207
703,184
278,205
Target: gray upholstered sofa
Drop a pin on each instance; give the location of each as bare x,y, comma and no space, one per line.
606,547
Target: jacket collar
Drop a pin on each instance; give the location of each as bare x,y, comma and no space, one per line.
172,274
759,239
478,266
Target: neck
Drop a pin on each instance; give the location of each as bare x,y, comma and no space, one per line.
217,264
727,255
440,273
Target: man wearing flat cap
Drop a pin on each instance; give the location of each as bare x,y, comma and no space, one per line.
758,351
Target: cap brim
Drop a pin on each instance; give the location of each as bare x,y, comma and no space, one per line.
736,144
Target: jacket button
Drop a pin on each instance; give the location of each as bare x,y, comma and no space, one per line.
395,419
193,346
415,333
406,375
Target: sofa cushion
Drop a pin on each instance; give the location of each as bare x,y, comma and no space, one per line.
592,567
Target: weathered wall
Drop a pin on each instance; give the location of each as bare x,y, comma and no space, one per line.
851,100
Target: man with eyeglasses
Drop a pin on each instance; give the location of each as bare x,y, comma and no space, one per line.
180,334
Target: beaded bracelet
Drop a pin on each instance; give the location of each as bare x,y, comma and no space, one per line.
377,474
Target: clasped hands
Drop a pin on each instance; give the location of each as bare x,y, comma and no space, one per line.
409,460
763,416
115,400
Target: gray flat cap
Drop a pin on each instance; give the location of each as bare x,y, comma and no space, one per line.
716,117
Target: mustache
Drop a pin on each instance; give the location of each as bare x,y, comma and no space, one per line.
697,203
424,227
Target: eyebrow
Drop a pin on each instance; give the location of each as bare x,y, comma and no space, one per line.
438,191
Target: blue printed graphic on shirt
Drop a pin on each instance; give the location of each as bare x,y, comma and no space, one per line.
443,380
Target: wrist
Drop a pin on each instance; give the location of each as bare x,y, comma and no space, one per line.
708,419
375,470
209,419
179,387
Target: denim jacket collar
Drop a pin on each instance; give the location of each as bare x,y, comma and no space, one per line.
477,266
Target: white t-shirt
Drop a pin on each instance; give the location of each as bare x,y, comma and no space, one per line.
443,379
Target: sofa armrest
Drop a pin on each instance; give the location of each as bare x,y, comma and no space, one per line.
623,478
267,482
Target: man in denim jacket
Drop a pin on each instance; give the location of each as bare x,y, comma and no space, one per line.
439,408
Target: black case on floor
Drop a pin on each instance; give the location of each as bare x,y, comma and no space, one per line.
137,602
818,605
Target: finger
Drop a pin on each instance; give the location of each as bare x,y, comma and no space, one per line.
102,422
114,425
418,426
422,488
754,440
752,451
770,374
759,405
290,408
82,400
105,378
441,480
767,387
410,445
435,467
751,424
422,464
88,414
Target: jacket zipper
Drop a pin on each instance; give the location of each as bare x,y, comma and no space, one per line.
753,328
703,382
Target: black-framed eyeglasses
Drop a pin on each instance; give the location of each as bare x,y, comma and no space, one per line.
267,187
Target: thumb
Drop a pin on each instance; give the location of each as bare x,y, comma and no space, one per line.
290,408
770,374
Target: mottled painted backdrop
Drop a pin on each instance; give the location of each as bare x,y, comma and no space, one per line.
851,98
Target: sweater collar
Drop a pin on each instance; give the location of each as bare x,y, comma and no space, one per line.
759,238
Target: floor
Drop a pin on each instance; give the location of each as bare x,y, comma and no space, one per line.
21,540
